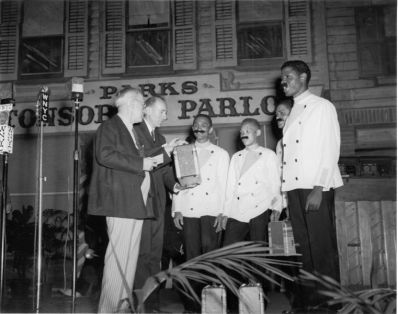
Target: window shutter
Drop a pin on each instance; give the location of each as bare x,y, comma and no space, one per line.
9,40
114,38
184,35
224,35
298,30
76,39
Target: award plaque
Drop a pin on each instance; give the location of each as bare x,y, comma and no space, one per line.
187,165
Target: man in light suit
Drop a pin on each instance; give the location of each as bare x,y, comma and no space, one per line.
119,190
311,148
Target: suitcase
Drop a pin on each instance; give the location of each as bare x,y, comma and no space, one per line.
280,237
214,300
251,299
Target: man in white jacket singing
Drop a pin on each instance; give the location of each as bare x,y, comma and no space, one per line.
198,210
253,188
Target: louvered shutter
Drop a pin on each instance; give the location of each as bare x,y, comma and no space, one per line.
9,40
76,38
184,35
114,38
224,35
298,30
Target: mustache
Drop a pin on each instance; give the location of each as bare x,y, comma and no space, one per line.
198,131
284,84
279,119
244,137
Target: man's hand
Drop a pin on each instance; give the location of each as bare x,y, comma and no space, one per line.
178,187
218,223
314,199
149,164
178,220
172,144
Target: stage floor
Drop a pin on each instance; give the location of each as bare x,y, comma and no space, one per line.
169,303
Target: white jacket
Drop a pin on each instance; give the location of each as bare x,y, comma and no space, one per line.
208,197
311,145
251,193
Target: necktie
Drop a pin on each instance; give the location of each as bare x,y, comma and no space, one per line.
137,141
153,135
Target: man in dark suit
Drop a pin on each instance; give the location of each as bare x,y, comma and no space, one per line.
119,190
149,260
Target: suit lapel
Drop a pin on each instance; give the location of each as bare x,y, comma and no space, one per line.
126,133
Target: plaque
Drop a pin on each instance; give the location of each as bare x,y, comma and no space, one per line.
187,165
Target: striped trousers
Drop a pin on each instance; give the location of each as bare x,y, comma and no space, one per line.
120,264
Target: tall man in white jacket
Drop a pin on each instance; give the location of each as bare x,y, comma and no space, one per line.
198,210
311,148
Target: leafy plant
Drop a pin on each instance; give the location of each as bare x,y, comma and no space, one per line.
372,301
252,260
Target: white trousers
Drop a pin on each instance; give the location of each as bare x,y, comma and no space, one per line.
120,264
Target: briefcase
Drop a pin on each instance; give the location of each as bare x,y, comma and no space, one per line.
214,300
187,165
281,240
251,299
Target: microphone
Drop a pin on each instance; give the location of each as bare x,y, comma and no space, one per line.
77,89
42,104
6,130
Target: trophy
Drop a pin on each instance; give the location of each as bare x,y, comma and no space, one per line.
187,165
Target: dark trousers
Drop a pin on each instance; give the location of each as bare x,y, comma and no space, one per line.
315,234
236,231
199,235
151,246
254,230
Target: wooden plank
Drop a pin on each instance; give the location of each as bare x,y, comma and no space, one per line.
354,267
348,84
341,230
367,189
337,39
364,93
371,234
343,65
389,216
340,21
365,240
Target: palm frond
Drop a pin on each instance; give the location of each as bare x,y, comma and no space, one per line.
251,260
375,301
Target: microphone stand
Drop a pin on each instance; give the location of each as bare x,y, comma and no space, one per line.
40,218
75,200
3,227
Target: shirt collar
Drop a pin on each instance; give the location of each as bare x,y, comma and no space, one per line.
257,148
202,145
150,128
126,122
299,99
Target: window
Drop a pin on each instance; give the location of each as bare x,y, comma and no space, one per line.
260,30
140,35
377,37
148,33
42,38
